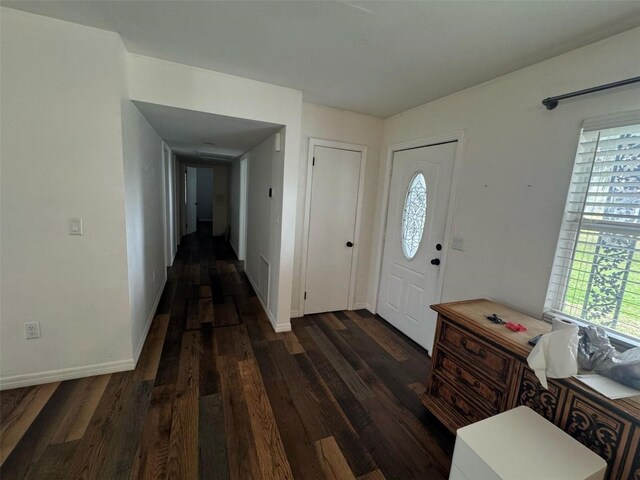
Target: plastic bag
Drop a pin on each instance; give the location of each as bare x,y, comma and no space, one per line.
595,353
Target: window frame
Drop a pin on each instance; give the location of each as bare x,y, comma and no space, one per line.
562,265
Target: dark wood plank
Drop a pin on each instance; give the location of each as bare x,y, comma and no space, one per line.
153,447
241,449
128,429
37,437
53,463
341,365
90,455
271,457
182,460
212,445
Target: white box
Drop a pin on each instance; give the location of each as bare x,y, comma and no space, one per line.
521,445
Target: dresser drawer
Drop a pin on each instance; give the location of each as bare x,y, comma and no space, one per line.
465,379
478,353
448,397
597,427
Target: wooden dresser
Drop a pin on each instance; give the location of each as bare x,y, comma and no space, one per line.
480,369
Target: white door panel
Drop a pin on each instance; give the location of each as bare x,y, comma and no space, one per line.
332,217
409,280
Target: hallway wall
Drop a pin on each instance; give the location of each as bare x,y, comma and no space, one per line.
144,208
166,83
61,157
262,216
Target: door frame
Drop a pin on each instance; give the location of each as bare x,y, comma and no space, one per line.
243,205
460,138
318,142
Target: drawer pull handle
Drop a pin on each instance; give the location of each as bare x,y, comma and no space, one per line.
458,408
480,353
475,384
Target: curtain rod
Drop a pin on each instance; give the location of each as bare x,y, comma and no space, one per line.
552,102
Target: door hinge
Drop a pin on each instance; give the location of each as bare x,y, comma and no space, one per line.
305,295
313,163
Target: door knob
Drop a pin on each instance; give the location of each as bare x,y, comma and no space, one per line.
349,244
435,261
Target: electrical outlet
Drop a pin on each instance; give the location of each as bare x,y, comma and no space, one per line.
31,330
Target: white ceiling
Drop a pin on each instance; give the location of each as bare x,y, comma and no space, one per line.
186,131
372,57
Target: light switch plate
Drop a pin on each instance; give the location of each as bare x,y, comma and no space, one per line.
75,225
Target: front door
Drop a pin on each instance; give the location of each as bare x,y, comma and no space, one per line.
332,224
414,239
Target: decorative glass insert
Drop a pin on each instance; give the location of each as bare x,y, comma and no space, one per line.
413,215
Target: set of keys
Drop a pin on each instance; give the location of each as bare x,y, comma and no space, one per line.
516,327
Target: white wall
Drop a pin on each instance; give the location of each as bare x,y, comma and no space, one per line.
262,217
166,83
170,204
234,206
517,165
144,209
61,157
343,126
205,194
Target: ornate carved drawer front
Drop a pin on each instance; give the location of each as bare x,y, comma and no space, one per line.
547,403
477,388
449,398
475,351
598,428
632,466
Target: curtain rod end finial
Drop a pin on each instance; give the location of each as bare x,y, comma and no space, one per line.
550,103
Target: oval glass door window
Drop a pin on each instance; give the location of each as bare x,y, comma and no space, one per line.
413,215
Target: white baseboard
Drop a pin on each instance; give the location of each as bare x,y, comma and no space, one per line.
286,327
62,374
294,314
152,315
366,306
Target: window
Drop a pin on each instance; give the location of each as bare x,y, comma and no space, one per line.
596,274
413,215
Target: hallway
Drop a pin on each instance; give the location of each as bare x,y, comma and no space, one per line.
217,394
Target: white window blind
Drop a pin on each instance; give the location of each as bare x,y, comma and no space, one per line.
596,273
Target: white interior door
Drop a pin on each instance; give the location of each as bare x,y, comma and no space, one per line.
332,225
414,238
191,199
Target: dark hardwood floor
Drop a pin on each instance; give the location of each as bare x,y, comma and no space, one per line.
217,394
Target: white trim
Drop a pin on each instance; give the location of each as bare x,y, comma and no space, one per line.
152,315
363,306
242,207
167,204
294,314
460,137
62,374
363,149
283,327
